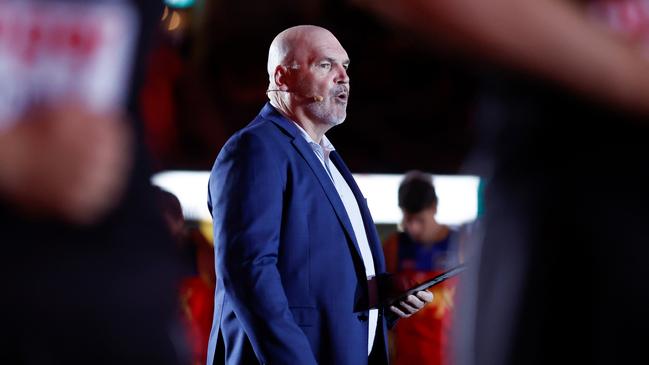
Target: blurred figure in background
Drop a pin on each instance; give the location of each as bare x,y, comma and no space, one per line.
196,291
562,275
423,250
88,271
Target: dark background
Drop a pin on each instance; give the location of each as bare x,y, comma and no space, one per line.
411,105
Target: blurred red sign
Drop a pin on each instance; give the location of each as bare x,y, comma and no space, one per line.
51,51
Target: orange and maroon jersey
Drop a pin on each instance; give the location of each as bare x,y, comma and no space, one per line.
423,338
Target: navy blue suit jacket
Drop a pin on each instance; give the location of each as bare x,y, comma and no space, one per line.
291,283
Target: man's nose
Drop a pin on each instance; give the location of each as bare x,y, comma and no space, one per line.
342,77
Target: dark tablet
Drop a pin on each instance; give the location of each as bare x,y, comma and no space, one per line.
429,283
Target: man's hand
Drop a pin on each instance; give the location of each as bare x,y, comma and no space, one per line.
412,304
65,162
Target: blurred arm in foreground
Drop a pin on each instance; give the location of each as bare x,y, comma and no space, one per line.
551,38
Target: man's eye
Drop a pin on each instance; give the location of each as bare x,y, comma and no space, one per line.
325,65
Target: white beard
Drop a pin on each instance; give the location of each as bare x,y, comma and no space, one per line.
326,113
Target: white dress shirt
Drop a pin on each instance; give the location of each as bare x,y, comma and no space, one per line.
323,150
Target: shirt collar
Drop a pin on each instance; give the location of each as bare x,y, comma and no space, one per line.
325,144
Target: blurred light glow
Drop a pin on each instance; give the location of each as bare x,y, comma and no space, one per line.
174,21
180,3
458,195
165,13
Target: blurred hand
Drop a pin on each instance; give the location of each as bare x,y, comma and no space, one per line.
65,162
412,304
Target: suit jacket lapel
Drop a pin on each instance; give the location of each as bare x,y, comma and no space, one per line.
314,163
330,190
368,222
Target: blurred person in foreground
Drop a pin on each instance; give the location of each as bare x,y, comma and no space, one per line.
88,268
563,269
297,252
425,248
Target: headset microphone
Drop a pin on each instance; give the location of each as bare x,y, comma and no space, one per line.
316,98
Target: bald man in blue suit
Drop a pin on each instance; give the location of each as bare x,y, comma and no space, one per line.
296,248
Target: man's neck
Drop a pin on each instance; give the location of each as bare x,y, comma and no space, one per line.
315,130
437,234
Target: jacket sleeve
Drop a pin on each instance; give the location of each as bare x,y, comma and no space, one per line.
246,191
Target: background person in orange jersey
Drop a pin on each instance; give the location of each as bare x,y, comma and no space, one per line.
423,250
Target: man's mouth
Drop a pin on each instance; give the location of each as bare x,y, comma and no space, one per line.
342,96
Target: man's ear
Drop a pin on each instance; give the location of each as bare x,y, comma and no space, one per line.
281,77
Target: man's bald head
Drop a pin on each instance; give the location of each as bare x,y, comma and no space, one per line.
285,48
308,81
